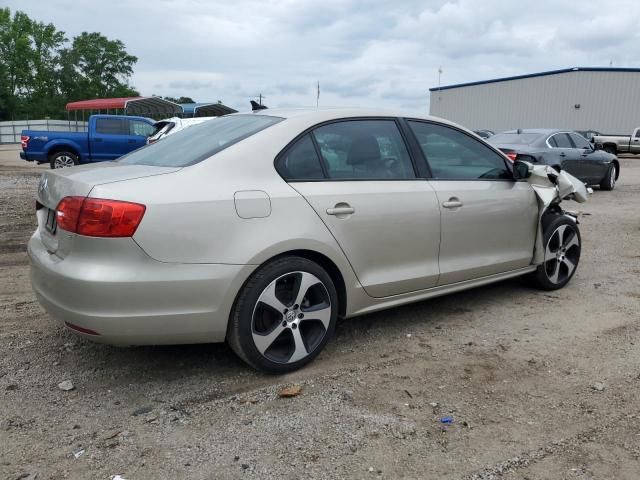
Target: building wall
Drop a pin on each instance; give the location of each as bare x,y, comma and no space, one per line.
10,131
609,102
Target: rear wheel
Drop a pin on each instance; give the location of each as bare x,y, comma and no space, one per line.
63,160
284,315
563,244
609,181
610,149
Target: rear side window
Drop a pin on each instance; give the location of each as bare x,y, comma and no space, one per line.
560,140
199,142
300,162
364,150
140,128
453,155
112,126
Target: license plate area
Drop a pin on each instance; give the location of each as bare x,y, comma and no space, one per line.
51,225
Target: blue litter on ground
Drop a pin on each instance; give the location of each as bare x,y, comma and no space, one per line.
447,419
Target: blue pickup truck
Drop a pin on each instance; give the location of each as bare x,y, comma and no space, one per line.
108,137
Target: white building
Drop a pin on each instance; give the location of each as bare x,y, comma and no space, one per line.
602,99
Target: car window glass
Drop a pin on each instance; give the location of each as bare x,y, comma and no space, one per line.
140,128
580,141
552,141
364,150
452,154
111,126
561,141
197,143
637,133
300,162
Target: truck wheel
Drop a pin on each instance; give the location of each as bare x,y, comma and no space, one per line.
610,149
562,246
63,160
609,181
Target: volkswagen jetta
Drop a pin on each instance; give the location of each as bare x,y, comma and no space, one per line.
262,229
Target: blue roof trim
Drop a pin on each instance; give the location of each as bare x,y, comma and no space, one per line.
540,74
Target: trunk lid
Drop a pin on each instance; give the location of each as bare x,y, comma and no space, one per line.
79,181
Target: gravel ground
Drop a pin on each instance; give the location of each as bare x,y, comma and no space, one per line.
539,385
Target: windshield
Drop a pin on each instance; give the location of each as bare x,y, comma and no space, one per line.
514,138
194,144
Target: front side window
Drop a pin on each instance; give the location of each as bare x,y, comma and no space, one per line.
111,126
580,141
140,128
453,155
300,162
194,144
364,150
560,140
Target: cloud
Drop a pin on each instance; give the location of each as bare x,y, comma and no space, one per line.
363,52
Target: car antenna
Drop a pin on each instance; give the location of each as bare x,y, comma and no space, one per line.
257,106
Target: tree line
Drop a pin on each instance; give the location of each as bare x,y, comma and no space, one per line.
41,69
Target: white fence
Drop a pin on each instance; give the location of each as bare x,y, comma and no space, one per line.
10,131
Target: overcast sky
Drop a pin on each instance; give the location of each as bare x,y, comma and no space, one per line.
363,53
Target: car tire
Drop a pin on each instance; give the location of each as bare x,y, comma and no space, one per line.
610,149
562,247
609,181
284,315
63,159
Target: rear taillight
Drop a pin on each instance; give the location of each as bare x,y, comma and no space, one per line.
96,217
24,141
512,156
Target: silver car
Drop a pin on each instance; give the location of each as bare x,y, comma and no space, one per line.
262,229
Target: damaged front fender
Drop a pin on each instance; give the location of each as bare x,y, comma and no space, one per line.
551,188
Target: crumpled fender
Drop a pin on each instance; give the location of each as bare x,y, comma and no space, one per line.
551,188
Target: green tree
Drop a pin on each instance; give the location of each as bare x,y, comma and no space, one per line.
95,67
181,99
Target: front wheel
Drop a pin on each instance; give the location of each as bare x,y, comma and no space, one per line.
284,315
563,244
63,160
609,181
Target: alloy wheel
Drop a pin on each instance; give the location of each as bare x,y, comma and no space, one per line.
63,161
561,254
613,177
291,317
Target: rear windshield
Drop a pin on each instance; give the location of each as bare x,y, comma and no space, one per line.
514,138
194,144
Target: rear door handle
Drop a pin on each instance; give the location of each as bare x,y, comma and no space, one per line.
132,141
453,202
562,154
341,210
97,139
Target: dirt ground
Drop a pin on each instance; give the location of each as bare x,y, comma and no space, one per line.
540,385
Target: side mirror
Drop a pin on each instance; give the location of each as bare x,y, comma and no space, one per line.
597,146
521,169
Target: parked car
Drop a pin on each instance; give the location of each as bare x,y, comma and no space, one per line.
484,133
257,229
107,138
169,126
615,144
562,150
588,134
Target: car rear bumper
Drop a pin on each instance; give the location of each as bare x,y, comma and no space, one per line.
124,297
23,156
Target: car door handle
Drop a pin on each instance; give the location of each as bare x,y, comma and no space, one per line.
342,210
97,139
132,141
562,154
453,202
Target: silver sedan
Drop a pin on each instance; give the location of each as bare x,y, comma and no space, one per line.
262,229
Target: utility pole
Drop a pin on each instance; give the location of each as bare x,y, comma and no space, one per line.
439,86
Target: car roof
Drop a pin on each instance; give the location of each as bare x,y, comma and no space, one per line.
322,114
541,131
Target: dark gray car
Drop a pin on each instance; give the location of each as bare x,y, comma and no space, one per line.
563,150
